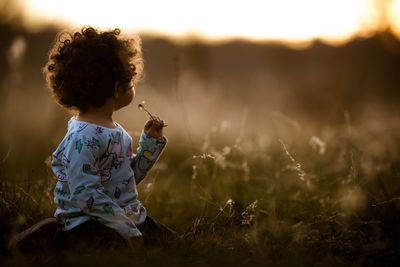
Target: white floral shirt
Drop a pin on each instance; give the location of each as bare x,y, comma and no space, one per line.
97,176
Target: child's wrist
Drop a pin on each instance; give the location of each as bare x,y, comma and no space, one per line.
149,141
162,138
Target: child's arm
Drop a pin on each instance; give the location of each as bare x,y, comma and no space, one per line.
151,144
87,192
148,152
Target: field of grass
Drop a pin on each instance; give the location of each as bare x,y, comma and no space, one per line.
296,195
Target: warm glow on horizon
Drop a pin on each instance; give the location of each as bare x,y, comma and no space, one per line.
285,20
394,16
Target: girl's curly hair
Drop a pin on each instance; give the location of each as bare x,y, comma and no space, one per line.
84,66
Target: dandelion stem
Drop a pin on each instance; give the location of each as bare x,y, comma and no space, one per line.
141,107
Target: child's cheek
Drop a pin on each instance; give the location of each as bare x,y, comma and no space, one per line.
133,92
129,97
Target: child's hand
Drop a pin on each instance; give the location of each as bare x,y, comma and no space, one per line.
154,127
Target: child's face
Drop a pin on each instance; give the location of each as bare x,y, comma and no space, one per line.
124,99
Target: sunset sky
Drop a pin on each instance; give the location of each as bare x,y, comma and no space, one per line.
334,21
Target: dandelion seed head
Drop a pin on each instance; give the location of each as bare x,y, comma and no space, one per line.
141,105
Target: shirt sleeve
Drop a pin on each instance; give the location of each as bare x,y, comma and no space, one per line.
148,152
87,192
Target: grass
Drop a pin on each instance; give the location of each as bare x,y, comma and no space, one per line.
294,196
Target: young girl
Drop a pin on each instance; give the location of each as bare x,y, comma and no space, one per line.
94,73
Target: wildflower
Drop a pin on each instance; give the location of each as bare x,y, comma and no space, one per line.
229,203
204,156
317,144
248,215
194,175
297,166
148,188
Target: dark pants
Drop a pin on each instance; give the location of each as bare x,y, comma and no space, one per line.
155,232
95,234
